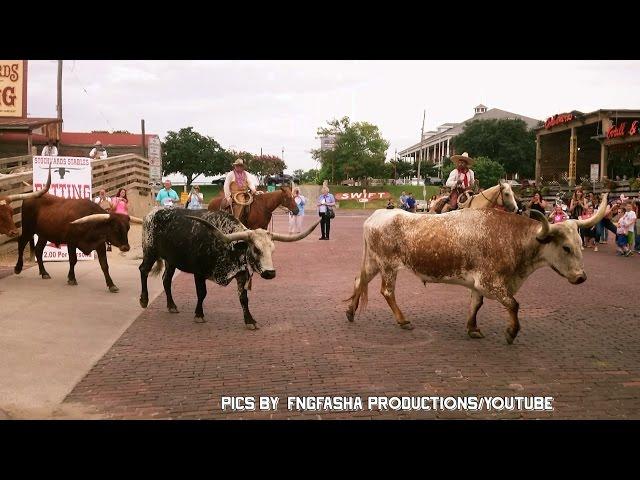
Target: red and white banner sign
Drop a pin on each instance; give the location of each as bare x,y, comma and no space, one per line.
70,178
362,195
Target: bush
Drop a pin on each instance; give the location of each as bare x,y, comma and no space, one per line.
545,191
635,185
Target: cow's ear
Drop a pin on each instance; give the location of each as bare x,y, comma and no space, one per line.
240,246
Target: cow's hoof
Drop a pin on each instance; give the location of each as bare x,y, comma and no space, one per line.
144,302
475,334
350,315
173,309
46,276
199,319
251,326
114,289
508,336
72,282
407,326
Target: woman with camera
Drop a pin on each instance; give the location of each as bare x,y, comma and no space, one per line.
196,199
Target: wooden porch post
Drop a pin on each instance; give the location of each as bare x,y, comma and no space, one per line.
573,156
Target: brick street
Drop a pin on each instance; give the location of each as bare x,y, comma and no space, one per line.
578,344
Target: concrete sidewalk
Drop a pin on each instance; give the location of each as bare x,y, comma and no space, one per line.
51,334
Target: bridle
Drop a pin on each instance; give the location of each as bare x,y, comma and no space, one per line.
493,202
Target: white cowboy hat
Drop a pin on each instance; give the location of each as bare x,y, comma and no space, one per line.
98,142
239,161
464,157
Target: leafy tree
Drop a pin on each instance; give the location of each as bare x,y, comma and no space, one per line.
193,154
263,165
507,142
359,151
310,176
487,172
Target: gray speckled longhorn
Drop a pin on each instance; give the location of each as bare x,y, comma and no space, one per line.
212,245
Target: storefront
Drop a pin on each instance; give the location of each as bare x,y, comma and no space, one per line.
577,146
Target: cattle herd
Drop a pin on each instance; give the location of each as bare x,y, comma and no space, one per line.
491,252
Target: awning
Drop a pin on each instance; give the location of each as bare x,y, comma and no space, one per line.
26,124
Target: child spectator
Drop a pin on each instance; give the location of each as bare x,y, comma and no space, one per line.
625,223
558,215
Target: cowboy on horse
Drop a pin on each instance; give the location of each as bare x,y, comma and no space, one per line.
239,188
460,179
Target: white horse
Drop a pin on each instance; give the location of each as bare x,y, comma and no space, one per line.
500,195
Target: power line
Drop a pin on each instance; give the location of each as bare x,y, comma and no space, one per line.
87,93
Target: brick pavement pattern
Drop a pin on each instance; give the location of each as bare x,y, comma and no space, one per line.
578,344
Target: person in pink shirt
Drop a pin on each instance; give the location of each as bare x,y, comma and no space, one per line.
558,215
120,203
589,234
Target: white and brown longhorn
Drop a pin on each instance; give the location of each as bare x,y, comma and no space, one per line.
490,252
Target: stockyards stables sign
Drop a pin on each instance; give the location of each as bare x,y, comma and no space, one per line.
13,88
70,178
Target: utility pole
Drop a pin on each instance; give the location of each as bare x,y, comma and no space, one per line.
424,113
59,105
144,140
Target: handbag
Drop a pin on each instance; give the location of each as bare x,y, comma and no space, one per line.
330,213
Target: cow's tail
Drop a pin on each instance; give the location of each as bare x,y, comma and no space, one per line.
157,267
360,295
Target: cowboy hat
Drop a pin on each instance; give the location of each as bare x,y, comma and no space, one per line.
239,161
98,142
464,157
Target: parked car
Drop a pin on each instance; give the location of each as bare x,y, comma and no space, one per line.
218,181
422,205
433,181
283,179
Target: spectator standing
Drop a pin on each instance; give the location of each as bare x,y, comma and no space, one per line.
120,203
104,203
167,197
625,223
50,150
98,151
538,203
326,202
295,221
196,199
589,234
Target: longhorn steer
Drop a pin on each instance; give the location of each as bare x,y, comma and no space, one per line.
211,245
488,251
7,227
78,223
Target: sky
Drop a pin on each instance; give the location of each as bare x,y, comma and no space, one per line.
276,105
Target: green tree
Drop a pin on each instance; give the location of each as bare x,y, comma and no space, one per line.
359,151
487,172
192,154
507,142
309,176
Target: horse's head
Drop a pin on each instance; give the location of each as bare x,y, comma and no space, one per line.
507,198
287,200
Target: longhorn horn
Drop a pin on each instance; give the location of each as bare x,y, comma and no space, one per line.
545,228
279,237
599,215
223,237
135,219
39,193
95,217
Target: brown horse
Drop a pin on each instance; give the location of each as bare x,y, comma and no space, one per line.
262,207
